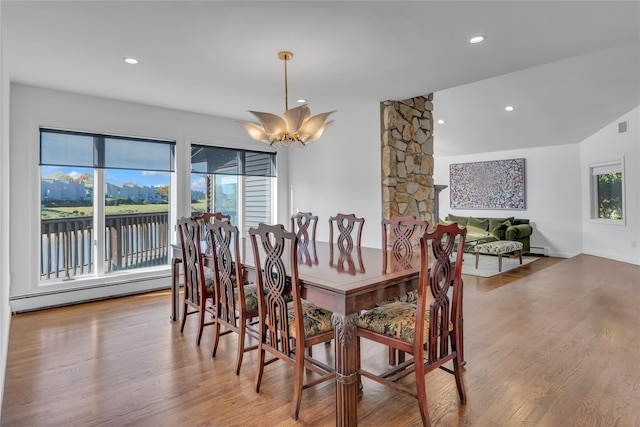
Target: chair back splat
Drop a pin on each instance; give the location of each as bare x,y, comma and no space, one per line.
304,224
208,218
401,241
347,225
430,329
288,324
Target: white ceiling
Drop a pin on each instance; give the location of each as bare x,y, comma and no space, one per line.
569,68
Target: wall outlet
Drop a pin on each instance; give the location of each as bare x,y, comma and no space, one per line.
633,243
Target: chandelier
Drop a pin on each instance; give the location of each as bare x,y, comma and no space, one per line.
294,126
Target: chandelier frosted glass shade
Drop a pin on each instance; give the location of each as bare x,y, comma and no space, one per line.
295,126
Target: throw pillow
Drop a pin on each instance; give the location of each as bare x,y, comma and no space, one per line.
498,231
497,224
461,220
477,226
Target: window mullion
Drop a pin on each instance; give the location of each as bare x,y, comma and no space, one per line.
99,221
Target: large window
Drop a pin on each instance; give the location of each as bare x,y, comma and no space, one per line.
239,183
104,203
607,192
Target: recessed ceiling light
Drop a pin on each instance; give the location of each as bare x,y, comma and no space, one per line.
131,61
441,121
302,101
509,108
476,39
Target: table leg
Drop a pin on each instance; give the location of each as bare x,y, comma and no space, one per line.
175,288
347,381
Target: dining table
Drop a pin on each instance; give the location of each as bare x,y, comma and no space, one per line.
344,282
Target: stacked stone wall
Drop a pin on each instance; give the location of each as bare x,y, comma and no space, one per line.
407,158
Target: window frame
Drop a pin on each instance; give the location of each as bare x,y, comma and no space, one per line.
239,168
602,168
100,274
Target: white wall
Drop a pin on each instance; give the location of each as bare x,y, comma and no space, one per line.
557,193
340,173
32,107
5,312
552,195
613,241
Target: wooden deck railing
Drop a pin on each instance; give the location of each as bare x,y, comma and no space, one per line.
67,247
131,241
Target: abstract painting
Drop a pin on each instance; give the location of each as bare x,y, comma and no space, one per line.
497,184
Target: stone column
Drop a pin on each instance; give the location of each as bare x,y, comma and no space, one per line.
407,158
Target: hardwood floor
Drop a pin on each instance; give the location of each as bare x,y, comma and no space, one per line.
554,343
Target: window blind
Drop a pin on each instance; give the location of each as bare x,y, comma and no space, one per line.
229,161
69,148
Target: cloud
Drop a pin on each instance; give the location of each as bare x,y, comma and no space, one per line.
198,183
155,173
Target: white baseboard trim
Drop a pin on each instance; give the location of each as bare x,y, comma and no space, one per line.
562,254
41,301
615,257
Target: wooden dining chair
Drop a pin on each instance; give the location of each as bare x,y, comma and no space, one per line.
304,224
210,216
401,242
199,289
236,302
346,225
429,329
207,218
288,324
400,251
177,261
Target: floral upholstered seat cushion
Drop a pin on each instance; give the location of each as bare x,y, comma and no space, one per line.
396,319
411,296
316,320
499,247
208,279
250,297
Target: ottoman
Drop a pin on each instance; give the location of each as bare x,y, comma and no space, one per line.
498,248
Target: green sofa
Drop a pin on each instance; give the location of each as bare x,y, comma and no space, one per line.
483,230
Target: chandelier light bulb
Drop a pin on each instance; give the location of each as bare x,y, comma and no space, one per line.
294,126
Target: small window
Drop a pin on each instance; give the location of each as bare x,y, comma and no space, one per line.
240,183
607,192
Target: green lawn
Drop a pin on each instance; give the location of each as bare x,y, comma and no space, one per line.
110,210
199,206
50,213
